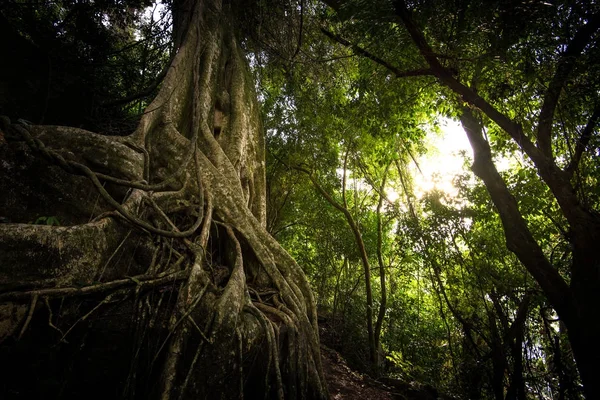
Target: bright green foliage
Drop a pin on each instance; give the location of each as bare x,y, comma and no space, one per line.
462,311
348,99
319,116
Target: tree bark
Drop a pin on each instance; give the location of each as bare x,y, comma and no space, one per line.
343,208
383,303
162,266
574,303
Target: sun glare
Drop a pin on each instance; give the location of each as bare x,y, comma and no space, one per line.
443,161
435,170
392,195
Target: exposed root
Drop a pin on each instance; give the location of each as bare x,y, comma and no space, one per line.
273,358
145,281
34,300
179,321
195,359
108,299
101,273
50,316
210,327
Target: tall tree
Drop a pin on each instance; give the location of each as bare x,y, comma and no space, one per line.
165,226
535,87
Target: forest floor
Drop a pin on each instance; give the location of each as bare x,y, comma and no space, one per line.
346,384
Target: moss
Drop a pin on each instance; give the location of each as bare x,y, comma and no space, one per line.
155,322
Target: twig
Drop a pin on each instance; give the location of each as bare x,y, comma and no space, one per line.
106,300
50,315
362,52
144,280
183,317
583,141
34,300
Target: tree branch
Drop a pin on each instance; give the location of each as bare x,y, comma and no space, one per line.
362,52
554,177
445,76
519,238
563,70
583,141
139,280
300,30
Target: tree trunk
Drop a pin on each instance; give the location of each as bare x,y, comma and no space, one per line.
575,304
515,337
383,303
360,244
162,281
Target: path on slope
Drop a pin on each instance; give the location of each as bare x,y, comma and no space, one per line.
346,384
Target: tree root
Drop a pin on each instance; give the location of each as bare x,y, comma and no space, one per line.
144,281
172,207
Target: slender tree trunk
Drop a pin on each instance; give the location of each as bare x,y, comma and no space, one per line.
336,290
383,304
515,337
498,358
343,208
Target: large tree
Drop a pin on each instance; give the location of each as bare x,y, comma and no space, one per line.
153,273
520,76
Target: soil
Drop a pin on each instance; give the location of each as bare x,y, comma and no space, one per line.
347,384
344,383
